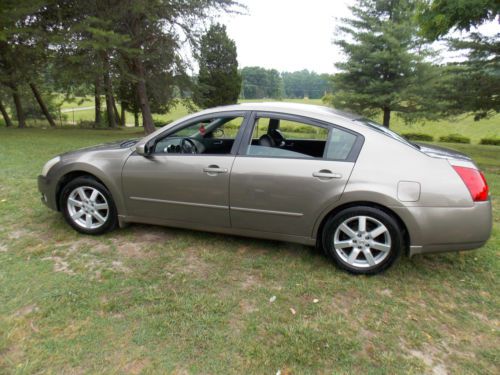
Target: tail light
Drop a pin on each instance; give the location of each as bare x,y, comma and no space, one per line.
475,182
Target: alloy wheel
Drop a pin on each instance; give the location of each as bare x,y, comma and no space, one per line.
362,241
87,207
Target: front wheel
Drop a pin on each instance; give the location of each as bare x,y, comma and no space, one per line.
88,206
362,240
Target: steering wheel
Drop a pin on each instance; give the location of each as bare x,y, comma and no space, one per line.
188,146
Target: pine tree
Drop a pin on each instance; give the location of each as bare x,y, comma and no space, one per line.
384,60
219,82
472,85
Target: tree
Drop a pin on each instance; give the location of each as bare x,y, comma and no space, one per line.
384,60
261,83
219,82
471,86
151,23
3,111
304,83
438,17
136,41
23,52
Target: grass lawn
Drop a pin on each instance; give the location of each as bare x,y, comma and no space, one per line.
150,299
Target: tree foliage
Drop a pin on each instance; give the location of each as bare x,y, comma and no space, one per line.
305,84
219,81
100,44
473,84
385,68
260,83
438,17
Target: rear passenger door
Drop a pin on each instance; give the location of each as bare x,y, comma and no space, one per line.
283,189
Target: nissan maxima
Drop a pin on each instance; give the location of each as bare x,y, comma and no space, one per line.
290,172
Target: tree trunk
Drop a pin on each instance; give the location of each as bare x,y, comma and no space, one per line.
108,89
123,115
42,105
117,115
21,120
147,118
387,117
97,101
6,117
136,119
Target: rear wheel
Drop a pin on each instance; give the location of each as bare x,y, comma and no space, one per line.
88,206
362,240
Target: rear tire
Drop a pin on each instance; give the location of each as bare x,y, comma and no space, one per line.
362,240
88,206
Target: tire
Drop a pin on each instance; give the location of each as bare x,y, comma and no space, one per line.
88,207
362,250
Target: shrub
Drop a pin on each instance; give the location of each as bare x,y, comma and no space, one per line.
418,137
87,124
490,141
454,138
160,123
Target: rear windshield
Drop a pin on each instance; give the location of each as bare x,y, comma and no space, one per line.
382,129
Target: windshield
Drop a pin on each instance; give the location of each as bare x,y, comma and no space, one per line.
382,129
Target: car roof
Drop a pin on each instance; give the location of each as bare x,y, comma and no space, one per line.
286,107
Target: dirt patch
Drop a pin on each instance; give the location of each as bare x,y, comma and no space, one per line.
386,292
132,250
17,234
136,367
251,250
3,248
431,356
486,320
14,354
344,301
116,265
195,263
247,307
152,235
250,281
60,265
428,356
26,310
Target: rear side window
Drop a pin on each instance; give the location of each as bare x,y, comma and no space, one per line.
340,144
278,137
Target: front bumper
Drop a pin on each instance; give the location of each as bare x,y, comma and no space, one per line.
442,229
47,190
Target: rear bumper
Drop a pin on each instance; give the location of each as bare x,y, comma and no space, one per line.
47,191
442,229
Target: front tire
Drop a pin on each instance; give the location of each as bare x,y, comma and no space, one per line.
88,206
362,240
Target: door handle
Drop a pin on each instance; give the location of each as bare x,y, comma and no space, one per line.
214,170
326,174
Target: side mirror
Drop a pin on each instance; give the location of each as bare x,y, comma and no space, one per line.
145,149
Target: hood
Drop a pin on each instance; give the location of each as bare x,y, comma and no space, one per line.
105,146
442,152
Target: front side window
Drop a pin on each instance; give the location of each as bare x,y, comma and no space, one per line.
208,136
275,137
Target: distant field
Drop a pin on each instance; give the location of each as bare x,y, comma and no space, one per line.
464,125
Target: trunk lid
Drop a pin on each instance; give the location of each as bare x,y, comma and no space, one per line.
442,152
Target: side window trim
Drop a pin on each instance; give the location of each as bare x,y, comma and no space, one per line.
250,124
237,140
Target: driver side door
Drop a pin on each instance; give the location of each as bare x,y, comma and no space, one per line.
174,185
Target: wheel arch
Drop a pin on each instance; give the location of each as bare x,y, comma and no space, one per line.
70,176
334,211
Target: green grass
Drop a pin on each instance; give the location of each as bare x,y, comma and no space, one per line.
152,299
